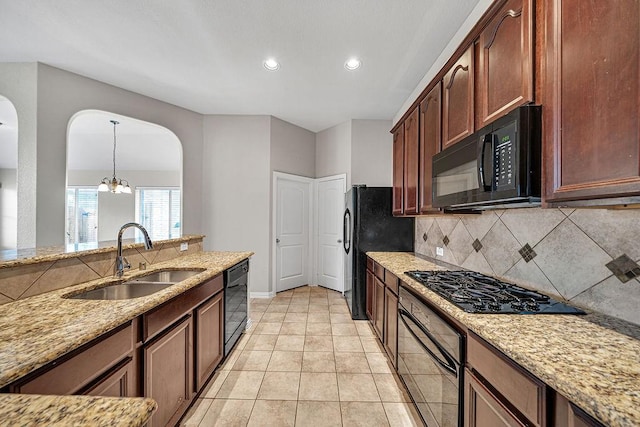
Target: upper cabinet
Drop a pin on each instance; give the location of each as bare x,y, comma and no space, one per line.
458,100
505,63
398,171
590,102
430,140
411,162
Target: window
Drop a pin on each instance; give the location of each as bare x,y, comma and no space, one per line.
82,215
158,210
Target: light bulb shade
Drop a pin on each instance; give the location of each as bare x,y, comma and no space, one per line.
126,189
103,187
118,189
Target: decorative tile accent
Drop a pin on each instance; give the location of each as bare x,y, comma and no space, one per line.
477,245
527,253
424,237
624,268
446,240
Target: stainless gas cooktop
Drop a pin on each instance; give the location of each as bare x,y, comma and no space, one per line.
476,293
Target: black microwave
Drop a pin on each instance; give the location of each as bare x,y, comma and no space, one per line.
497,166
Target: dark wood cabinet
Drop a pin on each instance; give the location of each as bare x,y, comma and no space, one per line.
378,308
430,142
391,325
168,372
397,205
505,71
370,294
209,343
120,382
590,101
411,162
568,414
458,100
482,408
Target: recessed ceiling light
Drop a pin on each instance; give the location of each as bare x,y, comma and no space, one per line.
271,64
352,64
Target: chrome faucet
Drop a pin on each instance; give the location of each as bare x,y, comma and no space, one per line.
121,262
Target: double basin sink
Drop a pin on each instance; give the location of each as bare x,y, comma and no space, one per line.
139,286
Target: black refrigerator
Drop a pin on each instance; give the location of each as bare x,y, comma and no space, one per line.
368,225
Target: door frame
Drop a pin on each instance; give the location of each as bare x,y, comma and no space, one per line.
316,230
274,214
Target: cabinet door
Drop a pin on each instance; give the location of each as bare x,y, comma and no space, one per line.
391,325
378,311
430,140
411,160
457,105
398,171
118,383
209,337
591,91
568,414
505,64
482,408
370,294
168,372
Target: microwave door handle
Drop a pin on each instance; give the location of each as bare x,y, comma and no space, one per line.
448,364
486,139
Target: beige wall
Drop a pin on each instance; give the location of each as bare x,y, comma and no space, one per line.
371,148
333,151
292,149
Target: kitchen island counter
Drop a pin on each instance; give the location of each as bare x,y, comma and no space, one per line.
594,366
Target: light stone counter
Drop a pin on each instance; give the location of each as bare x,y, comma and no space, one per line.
593,366
58,411
37,330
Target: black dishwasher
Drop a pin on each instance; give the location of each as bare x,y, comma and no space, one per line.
235,303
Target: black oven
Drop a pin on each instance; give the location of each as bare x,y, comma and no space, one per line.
497,166
430,362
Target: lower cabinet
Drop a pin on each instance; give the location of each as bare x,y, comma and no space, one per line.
120,382
370,290
209,344
378,307
168,372
482,408
391,325
382,307
568,414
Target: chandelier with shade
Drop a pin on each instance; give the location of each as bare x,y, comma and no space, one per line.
114,185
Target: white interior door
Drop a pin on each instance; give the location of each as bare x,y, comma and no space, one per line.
330,206
293,195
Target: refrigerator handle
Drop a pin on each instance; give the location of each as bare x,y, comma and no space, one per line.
346,231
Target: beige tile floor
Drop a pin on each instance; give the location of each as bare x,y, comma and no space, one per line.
304,362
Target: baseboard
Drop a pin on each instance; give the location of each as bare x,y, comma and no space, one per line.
261,294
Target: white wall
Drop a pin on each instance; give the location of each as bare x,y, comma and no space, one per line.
58,96
117,209
333,151
8,209
18,83
371,153
235,191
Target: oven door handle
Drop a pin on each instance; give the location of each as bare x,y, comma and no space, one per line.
448,364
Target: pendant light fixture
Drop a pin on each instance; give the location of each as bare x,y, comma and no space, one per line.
114,184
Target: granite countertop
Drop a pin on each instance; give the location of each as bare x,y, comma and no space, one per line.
35,410
592,365
37,330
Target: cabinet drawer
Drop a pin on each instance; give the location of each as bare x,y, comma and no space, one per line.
378,270
76,372
391,281
370,263
163,316
522,390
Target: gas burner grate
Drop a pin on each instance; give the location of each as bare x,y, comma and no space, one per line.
477,293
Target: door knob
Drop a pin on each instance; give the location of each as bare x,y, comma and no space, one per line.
339,240
277,240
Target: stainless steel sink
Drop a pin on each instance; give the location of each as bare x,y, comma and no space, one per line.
166,276
138,286
126,290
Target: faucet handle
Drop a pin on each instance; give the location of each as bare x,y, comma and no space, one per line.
125,263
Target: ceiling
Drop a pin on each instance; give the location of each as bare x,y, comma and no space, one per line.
206,55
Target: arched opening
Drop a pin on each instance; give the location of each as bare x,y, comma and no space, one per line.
147,156
8,175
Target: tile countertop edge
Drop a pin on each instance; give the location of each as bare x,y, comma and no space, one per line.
28,342
29,409
596,368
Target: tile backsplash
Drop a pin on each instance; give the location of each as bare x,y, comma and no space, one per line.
567,253
31,279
